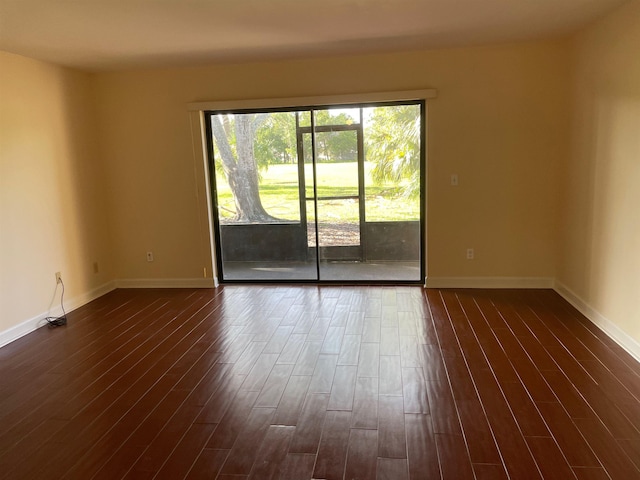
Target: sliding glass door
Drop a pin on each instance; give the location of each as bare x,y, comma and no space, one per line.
322,194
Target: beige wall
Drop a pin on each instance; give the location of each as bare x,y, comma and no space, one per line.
499,122
52,213
600,256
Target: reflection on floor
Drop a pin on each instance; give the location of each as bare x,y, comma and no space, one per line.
329,271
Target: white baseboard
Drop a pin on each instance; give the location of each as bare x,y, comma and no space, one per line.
603,323
28,326
489,282
165,283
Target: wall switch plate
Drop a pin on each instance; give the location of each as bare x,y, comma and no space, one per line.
149,256
470,253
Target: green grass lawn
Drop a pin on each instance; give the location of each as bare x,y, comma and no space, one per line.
279,195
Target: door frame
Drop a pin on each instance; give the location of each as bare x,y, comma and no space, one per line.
325,252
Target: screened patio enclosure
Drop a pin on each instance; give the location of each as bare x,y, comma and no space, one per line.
323,194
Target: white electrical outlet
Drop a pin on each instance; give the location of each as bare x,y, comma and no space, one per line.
470,253
58,277
149,256
454,179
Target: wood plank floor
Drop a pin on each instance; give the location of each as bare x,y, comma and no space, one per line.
322,382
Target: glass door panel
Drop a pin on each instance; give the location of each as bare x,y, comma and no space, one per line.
393,191
261,217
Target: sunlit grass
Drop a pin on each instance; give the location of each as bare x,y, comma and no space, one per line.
280,198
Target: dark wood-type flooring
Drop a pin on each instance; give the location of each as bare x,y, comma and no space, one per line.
322,382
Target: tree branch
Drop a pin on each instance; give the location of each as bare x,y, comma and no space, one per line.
226,154
259,120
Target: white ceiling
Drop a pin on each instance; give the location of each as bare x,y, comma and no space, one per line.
116,34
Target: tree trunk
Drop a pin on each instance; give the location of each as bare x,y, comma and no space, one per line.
241,169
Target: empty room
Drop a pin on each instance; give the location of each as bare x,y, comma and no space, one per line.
354,239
